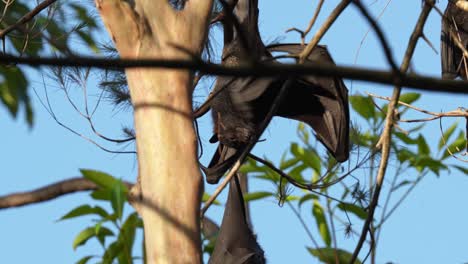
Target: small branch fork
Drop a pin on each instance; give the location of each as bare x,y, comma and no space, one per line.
460,112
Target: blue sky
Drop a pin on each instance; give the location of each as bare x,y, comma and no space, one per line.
430,227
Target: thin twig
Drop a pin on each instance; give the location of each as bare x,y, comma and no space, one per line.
27,17
311,23
325,26
385,140
380,36
368,30
436,115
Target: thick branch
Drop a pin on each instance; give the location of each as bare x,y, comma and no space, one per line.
49,192
424,83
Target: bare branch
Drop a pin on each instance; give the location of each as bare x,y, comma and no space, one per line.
416,81
328,23
385,140
49,192
27,17
311,23
436,115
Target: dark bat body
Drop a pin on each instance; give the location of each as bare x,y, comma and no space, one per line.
243,103
456,21
236,244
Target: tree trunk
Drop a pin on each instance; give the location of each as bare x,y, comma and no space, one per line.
169,189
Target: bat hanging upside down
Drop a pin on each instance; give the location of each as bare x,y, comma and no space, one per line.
454,24
236,244
242,103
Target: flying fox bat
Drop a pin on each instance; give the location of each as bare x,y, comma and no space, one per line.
241,104
236,244
455,21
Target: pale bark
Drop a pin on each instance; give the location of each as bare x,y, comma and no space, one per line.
170,185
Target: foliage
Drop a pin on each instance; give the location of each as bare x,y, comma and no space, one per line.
305,164
52,32
107,225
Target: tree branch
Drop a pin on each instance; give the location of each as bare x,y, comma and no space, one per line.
385,140
27,17
420,82
49,192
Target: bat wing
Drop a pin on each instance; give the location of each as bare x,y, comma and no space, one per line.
236,244
223,159
451,56
448,50
320,102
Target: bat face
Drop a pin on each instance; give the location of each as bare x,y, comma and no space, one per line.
236,244
456,23
243,103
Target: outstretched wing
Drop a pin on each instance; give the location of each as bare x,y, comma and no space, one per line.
320,102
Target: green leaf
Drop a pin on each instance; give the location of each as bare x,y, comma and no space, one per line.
405,138
102,194
302,133
462,169
352,208
84,260
308,156
85,210
423,147
88,233
118,198
404,155
322,225
446,135
248,197
296,172
456,146
111,252
286,164
426,162
101,179
13,91
363,105
329,255
401,184
307,197
207,196
128,230
251,166
409,98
